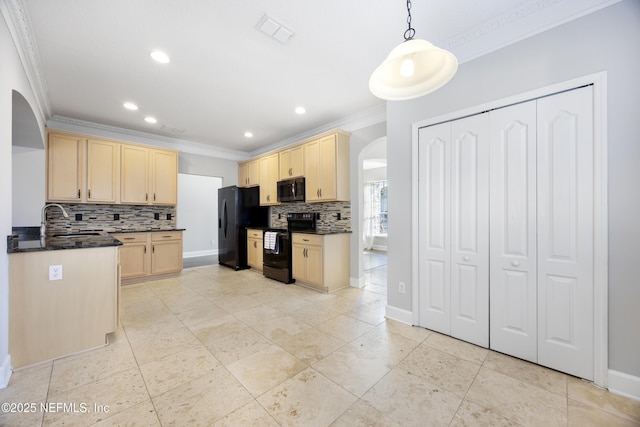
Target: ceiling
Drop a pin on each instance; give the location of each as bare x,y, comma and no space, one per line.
226,77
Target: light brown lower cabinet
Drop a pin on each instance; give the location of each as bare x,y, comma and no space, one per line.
255,243
321,261
148,254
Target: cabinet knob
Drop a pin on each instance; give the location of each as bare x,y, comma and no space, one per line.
515,263
465,258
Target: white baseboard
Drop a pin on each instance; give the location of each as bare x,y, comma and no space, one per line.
199,253
356,282
399,315
5,371
624,384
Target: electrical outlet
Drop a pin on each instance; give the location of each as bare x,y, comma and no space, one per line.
55,272
401,287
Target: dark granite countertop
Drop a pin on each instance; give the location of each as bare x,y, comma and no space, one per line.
27,239
72,241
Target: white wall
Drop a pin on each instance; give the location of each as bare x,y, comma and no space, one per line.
13,78
603,41
28,186
198,214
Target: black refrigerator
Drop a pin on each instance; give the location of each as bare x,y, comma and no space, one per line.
238,209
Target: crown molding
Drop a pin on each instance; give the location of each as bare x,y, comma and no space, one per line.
513,26
19,26
354,122
105,131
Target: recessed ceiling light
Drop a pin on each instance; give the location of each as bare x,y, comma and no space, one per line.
130,106
248,134
150,119
160,56
300,110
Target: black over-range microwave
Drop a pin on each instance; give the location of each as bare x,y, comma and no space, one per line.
291,190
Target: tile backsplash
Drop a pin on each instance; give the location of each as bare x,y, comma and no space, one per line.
110,218
328,211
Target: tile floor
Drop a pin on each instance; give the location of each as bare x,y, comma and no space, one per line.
215,347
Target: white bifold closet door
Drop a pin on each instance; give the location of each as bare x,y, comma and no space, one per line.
513,252
565,232
454,228
541,256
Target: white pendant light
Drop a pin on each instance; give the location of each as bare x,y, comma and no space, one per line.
412,69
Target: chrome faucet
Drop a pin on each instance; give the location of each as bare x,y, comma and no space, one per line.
43,225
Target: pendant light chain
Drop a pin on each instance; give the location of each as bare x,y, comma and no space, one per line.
410,32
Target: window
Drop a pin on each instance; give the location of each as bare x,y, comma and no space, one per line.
375,208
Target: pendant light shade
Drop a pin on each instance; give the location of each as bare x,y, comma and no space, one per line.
412,69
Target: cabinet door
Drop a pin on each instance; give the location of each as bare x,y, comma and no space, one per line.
166,256
134,175
164,165
65,168
134,260
314,265
291,162
243,175
269,180
299,262
312,169
321,169
103,171
328,164
254,253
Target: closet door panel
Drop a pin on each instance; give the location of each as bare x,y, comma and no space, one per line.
513,289
470,229
565,232
434,223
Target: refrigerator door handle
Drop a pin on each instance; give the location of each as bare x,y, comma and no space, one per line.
224,217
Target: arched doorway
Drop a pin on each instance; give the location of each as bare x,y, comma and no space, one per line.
28,164
372,161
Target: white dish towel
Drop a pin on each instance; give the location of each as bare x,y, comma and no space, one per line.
271,241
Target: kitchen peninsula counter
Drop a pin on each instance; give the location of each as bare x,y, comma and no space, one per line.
61,301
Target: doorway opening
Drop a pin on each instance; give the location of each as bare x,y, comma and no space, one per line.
374,216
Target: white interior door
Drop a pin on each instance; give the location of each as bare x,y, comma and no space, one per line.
470,229
454,228
513,264
565,232
434,151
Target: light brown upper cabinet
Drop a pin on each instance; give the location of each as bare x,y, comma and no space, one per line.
291,162
81,170
103,171
149,176
248,174
269,180
327,168
134,180
164,177
91,170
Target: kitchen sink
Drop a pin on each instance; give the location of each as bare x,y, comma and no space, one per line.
76,234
